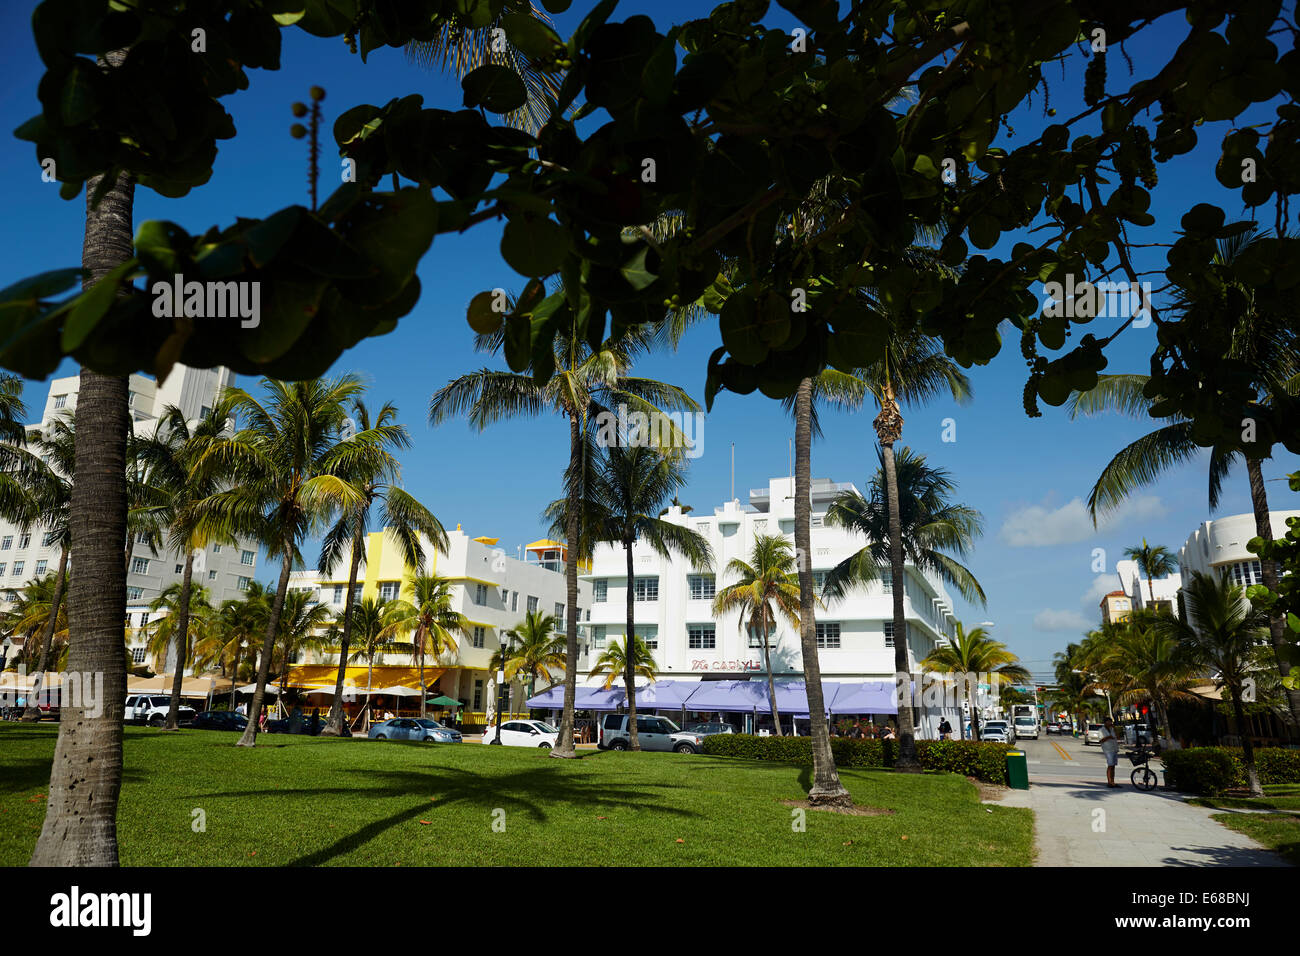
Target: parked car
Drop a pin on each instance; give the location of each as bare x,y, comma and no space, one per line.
1025,727
708,730
412,728
653,733
1050,729
219,720
1093,734
523,733
152,709
995,730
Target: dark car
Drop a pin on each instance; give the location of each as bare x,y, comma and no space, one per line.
219,720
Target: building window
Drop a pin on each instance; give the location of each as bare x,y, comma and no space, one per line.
600,591
137,655
7,542
205,411
647,589
887,581
478,695
2,567
514,602
134,594
532,604
243,583
50,538
816,521
701,637
18,568
828,634
479,639
559,617
139,565
480,594
819,579
41,567
247,557
24,540
505,596
702,587
650,634
387,589
889,633
216,549
60,401
212,575
598,635
338,593
180,569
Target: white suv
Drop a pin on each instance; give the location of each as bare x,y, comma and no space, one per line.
652,733
152,709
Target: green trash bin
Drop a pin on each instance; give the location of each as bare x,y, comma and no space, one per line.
1017,770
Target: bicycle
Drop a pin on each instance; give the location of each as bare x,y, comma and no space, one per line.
1143,777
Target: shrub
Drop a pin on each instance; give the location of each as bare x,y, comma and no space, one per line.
1211,770
984,761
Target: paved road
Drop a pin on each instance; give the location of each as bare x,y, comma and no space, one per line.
1079,821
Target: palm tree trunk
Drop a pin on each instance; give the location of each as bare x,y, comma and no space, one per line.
1247,746
889,426
629,653
33,711
419,636
334,726
826,788
182,643
80,826
767,665
1268,574
564,742
1151,589
249,739
234,673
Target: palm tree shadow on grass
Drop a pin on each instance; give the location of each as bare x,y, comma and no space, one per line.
471,788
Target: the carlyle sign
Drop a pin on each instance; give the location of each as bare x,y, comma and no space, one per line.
726,666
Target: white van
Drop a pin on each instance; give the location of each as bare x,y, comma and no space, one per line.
1025,727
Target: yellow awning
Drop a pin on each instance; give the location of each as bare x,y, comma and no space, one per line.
384,675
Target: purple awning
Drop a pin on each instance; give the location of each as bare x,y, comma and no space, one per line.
587,698
873,697
732,696
665,694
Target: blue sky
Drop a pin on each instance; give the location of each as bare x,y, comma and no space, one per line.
1027,477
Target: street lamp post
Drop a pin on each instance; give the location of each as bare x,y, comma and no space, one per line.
501,680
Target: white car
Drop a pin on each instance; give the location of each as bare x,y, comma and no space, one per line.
152,709
523,733
995,731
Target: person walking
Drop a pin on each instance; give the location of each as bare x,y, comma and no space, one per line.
945,729
889,733
1109,750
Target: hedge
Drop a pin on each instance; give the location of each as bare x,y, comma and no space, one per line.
1212,770
984,761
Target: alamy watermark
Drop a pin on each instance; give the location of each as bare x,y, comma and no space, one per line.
669,431
74,689
1098,300
209,300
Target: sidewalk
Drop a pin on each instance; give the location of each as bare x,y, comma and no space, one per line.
1133,828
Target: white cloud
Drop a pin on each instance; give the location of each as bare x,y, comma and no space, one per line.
1037,526
1101,585
1049,620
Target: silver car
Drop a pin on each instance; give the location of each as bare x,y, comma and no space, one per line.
652,733
995,731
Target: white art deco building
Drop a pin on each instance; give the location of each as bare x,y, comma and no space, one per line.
673,601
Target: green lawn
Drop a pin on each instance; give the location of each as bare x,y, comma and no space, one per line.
1278,831
311,801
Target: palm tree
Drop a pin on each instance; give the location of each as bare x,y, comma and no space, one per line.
1263,346
1074,694
907,516
585,382
623,501
403,518
284,468
240,624
1219,634
767,588
170,457
1157,562
430,616
37,610
192,610
614,664
1141,661
374,637
536,650
301,621
975,652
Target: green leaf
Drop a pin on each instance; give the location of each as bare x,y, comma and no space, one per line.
635,271
534,247
530,36
494,87
740,327
42,285
92,305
